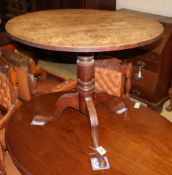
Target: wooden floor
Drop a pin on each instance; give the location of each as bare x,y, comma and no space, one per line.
141,145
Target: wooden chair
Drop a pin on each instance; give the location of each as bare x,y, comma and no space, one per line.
32,80
13,59
169,107
114,78
8,92
110,77
8,102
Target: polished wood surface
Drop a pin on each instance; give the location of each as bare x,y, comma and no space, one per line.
140,145
83,30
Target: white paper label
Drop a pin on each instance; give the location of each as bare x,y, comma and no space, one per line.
38,123
122,110
101,150
137,105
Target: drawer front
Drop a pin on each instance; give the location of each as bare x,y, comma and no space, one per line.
70,4
92,4
145,86
101,4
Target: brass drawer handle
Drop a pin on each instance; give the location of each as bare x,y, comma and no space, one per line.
139,74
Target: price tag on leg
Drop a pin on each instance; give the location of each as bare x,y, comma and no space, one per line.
137,105
121,110
101,150
38,123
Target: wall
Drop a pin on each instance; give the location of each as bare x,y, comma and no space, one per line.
160,7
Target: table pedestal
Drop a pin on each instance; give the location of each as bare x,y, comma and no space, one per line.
82,100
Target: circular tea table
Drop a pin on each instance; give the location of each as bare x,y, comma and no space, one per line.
83,31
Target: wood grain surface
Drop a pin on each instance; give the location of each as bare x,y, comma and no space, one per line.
141,145
83,30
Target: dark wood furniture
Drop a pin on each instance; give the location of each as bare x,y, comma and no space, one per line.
155,62
11,8
89,4
82,32
18,7
3,5
141,145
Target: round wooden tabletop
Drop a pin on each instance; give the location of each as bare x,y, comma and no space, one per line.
83,30
141,145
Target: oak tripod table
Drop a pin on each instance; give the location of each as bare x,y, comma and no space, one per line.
84,32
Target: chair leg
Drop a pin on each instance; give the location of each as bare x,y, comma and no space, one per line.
169,107
2,167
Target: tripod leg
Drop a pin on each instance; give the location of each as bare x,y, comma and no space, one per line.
66,100
94,129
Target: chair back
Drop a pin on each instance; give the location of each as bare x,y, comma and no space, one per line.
8,86
15,60
113,77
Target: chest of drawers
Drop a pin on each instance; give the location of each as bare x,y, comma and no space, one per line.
152,66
